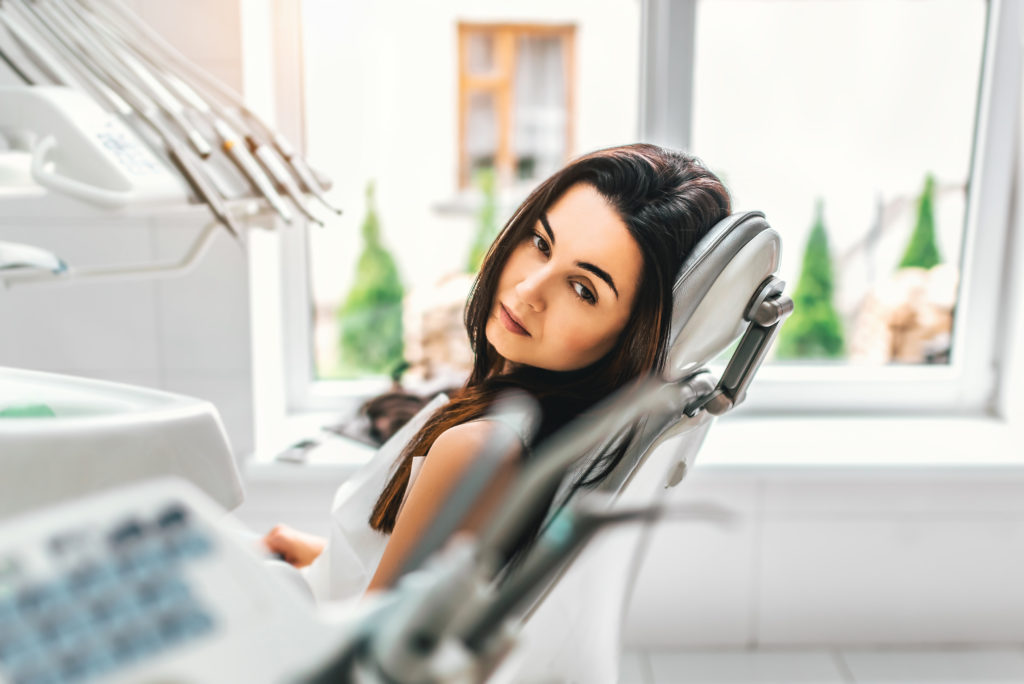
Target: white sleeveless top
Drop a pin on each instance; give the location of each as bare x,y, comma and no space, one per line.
345,567
354,549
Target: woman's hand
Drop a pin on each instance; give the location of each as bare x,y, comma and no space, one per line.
298,548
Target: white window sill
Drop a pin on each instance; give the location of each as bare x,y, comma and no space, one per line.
863,442
334,455
755,445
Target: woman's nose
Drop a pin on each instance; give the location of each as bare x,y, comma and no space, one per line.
531,289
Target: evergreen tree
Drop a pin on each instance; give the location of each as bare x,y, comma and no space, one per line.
371,316
814,329
923,251
486,219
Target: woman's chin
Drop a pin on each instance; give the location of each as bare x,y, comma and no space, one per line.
503,342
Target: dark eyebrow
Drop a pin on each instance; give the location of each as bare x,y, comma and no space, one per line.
600,273
547,227
585,265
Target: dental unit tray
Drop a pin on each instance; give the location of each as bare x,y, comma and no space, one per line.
79,150
111,118
63,436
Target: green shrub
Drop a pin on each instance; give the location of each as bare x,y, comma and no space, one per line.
923,251
814,329
486,219
371,316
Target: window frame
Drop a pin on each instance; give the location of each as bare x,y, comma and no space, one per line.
969,385
502,84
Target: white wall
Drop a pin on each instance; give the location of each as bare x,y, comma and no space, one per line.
822,556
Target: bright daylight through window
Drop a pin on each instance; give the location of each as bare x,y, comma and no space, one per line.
853,131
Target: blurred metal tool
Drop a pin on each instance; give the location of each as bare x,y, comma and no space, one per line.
208,108
150,72
148,88
51,69
122,68
13,58
133,31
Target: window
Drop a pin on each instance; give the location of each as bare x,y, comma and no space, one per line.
515,100
859,148
855,104
861,108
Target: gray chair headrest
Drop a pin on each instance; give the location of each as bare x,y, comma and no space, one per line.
714,287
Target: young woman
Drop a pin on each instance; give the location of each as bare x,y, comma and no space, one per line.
573,301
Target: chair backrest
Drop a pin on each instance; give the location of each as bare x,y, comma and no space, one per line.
573,633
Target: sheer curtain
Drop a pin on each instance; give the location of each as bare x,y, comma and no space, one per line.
540,106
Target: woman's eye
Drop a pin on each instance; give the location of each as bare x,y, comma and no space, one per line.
584,293
540,243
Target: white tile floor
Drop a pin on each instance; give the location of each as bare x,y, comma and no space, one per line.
1002,665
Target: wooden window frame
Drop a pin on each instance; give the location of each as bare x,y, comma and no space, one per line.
501,83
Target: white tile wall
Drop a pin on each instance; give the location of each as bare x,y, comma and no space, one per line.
868,557
989,665
746,667
95,328
861,580
203,319
697,582
634,668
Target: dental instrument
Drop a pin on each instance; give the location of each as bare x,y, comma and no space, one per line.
204,106
131,28
151,102
105,52
18,68
93,55
119,67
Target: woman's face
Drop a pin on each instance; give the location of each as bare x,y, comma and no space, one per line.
567,291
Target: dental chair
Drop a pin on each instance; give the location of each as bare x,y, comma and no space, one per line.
565,601
725,289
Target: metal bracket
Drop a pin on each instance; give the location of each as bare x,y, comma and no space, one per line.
766,311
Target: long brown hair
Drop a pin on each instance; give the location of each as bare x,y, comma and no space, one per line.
668,201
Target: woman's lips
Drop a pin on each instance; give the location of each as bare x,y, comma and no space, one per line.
510,322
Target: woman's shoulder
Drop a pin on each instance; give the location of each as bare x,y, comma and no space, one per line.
467,439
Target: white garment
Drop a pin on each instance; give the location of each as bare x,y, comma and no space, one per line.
354,549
